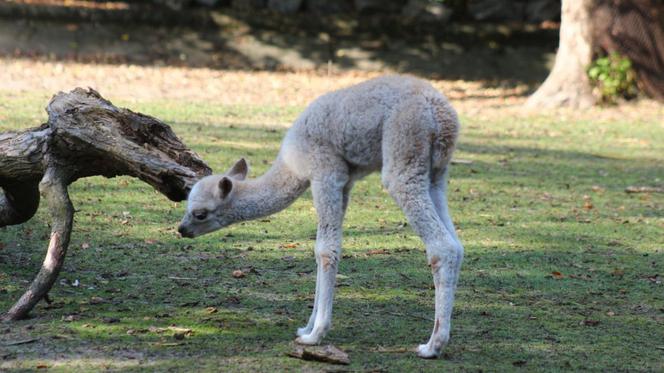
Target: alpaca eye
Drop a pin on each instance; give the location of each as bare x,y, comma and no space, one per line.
200,214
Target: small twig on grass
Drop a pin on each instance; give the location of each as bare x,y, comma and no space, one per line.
643,189
461,161
182,278
21,342
167,344
405,276
397,350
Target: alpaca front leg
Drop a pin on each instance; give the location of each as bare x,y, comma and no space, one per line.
326,280
312,319
328,200
310,325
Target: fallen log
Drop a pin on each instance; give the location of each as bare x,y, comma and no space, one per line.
85,135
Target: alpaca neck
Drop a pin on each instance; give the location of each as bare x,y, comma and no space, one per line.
270,193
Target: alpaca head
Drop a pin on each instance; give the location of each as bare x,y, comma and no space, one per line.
209,205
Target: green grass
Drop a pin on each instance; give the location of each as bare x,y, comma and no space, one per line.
523,208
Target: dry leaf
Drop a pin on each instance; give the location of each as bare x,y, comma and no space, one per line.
643,189
238,273
42,366
655,279
598,189
210,310
97,300
70,318
557,275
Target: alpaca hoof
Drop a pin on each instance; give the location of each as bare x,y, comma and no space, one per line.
303,331
427,352
308,339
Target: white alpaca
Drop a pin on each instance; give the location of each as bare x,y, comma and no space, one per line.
399,125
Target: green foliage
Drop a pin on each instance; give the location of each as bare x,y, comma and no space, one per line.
613,77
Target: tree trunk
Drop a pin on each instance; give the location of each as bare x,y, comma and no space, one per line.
568,84
85,135
635,29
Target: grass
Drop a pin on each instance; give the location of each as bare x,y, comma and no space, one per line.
563,269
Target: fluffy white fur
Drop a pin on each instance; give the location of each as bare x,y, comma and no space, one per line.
399,125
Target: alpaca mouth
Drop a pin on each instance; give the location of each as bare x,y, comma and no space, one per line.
184,232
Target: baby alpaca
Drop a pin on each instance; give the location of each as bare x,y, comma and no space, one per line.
399,125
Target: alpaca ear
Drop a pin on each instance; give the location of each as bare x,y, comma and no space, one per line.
225,187
239,170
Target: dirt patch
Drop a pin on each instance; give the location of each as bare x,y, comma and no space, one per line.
132,82
259,88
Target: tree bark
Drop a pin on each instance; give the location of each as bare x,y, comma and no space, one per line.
53,188
85,135
635,29
568,85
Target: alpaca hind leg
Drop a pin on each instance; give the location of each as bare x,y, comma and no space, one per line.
407,169
444,255
438,192
410,137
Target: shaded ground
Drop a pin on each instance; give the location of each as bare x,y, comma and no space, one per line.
232,40
563,269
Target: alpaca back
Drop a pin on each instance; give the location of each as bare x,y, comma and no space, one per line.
350,122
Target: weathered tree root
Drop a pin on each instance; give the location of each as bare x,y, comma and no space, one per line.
85,135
